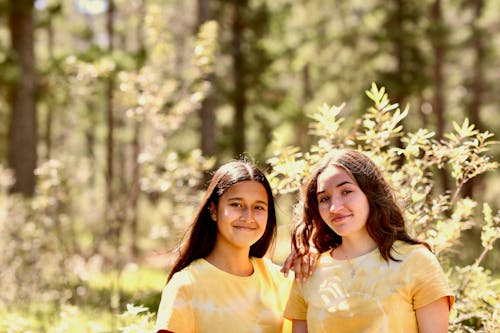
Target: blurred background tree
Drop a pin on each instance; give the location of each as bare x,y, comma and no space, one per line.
113,113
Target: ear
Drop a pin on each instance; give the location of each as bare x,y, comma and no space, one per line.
213,211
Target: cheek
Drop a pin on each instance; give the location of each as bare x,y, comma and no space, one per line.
261,216
365,207
228,214
323,211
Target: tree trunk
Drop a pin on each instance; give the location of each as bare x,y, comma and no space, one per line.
401,65
422,112
302,137
90,139
207,110
477,86
135,190
110,140
239,95
438,102
50,103
22,146
136,150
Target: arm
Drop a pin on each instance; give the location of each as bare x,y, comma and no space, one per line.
433,317
299,326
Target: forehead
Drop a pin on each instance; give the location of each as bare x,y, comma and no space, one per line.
333,175
247,189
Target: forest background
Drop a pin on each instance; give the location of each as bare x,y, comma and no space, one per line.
114,112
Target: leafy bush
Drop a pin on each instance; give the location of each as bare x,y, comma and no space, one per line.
410,162
52,243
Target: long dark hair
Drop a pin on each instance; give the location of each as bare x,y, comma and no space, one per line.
203,231
385,222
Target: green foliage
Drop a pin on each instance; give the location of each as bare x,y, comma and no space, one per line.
48,244
439,218
38,239
163,104
296,56
135,319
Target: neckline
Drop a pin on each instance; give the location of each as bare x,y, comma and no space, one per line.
351,260
227,274
351,265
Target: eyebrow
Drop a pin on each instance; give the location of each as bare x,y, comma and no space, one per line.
338,185
239,198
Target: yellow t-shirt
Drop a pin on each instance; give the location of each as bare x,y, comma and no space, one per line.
203,298
367,294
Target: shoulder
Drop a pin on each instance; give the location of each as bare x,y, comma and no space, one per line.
268,269
188,275
264,265
402,250
414,255
325,257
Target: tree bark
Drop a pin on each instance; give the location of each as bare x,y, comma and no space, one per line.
438,102
207,110
135,190
110,139
239,95
49,100
401,64
477,86
22,146
302,137
136,150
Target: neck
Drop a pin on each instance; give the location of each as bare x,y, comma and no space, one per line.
236,262
357,247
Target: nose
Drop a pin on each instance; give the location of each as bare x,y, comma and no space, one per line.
335,204
247,214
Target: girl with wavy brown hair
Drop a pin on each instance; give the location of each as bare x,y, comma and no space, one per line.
371,275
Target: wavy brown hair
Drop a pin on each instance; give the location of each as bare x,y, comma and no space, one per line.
200,237
385,222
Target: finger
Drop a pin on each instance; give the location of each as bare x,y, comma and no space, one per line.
305,267
312,263
301,270
285,269
297,267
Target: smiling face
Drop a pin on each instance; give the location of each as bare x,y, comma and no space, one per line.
342,205
241,215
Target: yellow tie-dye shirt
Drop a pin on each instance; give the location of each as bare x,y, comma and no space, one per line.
367,294
203,298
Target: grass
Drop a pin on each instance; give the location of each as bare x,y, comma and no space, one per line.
100,307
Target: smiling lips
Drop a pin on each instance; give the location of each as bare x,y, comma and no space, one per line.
340,218
244,227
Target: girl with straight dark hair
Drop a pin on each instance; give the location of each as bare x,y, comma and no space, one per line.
221,281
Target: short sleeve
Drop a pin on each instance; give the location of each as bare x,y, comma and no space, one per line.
296,307
429,283
175,312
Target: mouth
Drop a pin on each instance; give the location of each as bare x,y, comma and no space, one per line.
244,228
340,218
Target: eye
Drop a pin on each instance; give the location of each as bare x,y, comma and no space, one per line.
235,204
323,199
260,207
346,191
